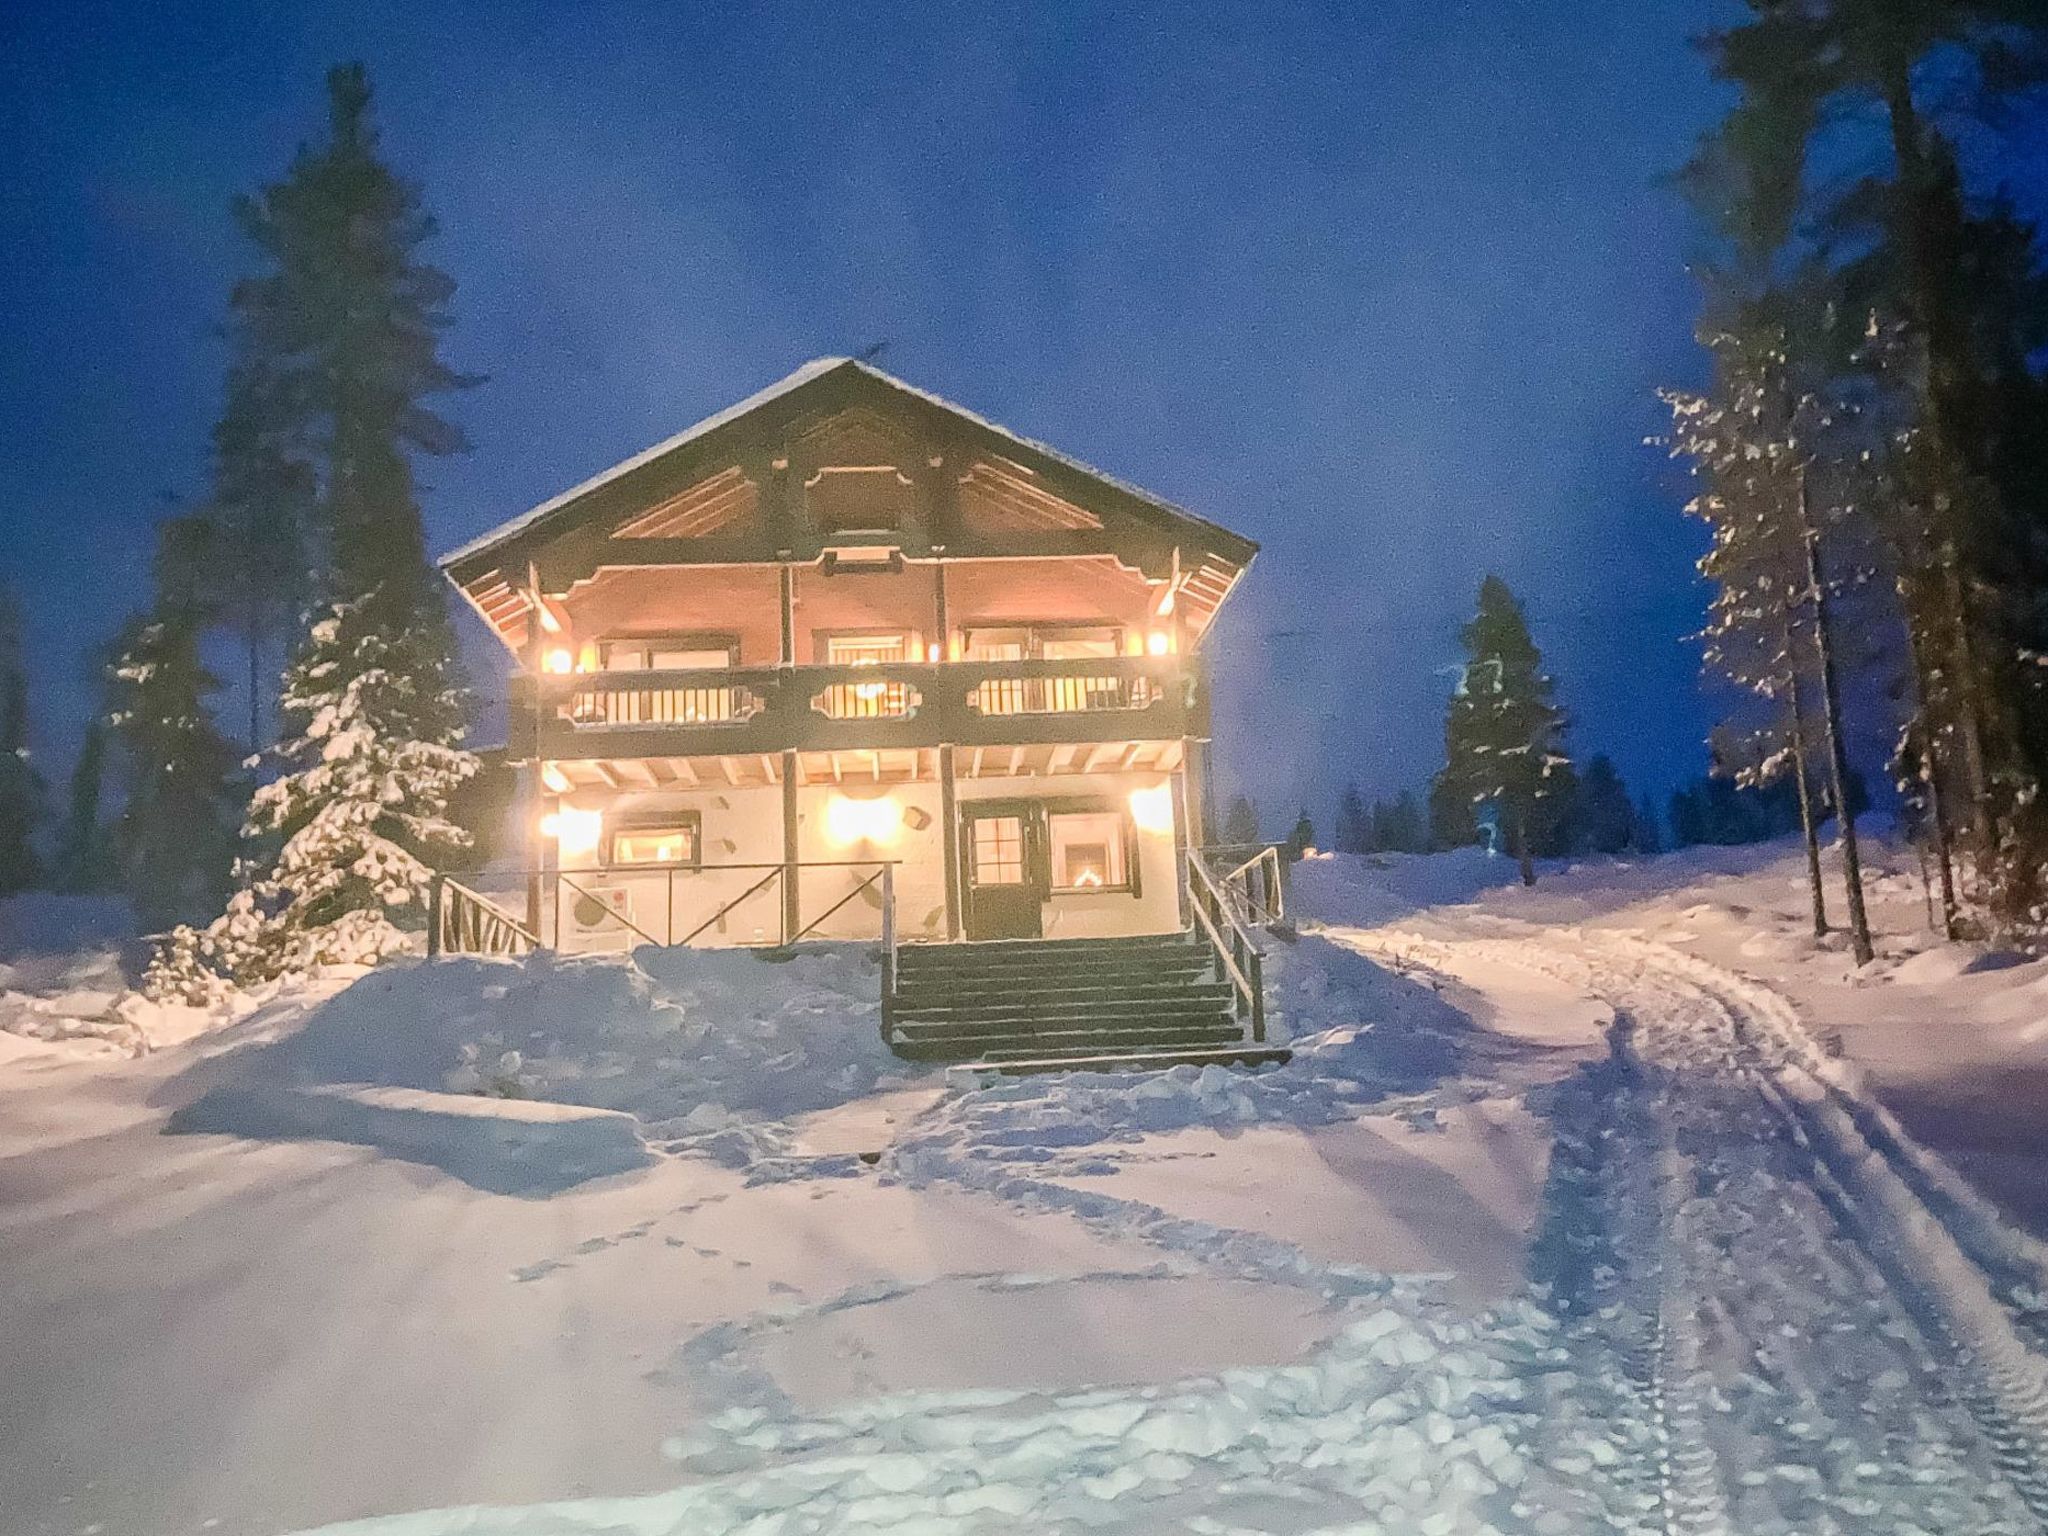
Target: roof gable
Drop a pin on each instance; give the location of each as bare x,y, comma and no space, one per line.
1021,483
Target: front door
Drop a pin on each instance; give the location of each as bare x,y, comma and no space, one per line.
1002,849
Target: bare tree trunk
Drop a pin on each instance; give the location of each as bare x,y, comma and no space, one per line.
1807,821
1831,709
1522,856
1930,768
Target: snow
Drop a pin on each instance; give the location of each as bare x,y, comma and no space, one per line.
669,1242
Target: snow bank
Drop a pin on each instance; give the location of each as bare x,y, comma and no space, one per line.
507,1146
64,989
713,1050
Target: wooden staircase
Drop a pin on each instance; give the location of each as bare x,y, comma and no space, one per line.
1046,1004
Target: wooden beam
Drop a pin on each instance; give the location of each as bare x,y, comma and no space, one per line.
949,823
687,772
1129,756
1016,760
977,760
725,768
788,615
792,895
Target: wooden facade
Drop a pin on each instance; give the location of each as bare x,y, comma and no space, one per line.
886,616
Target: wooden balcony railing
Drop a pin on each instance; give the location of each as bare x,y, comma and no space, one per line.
762,709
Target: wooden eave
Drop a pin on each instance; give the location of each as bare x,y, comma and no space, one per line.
572,538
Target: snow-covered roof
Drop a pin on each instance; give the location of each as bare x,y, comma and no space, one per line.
815,369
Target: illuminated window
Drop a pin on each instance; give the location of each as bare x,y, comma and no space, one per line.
670,654
863,650
1090,851
673,840
998,850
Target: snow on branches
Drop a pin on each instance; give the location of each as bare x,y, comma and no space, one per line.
342,845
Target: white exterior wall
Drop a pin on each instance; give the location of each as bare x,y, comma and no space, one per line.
1075,915
744,826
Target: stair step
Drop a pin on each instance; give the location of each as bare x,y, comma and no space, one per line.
1086,1042
1026,1008
1118,944
1132,1061
953,999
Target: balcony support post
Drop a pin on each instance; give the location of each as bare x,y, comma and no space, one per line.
788,614
792,894
942,621
949,840
530,833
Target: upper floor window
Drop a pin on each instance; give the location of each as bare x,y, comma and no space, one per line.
865,650
1050,642
669,653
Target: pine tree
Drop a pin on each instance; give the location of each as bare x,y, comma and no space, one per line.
341,340
1403,825
1503,733
1241,822
1604,818
251,557
1956,278
1648,840
1303,835
174,841
1452,823
1354,823
83,861
1757,441
21,787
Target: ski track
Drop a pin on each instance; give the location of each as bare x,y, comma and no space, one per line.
1824,1328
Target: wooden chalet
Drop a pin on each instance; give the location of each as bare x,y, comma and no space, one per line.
846,661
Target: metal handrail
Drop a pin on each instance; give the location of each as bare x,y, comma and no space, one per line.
774,874
1239,957
806,931
446,934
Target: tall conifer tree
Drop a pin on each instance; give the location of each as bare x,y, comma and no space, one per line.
1504,734
21,787
341,334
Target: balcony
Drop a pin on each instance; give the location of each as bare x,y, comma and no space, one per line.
825,708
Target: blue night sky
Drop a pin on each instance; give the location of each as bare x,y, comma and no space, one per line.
1387,288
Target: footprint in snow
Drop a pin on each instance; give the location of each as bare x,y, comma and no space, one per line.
537,1271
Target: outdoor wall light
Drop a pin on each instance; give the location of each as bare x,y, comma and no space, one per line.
576,832
559,659
1158,642
849,821
1152,809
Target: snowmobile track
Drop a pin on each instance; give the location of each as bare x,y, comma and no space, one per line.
1970,1284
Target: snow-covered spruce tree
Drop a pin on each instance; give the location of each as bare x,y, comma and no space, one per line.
344,324
1241,822
344,844
174,841
1503,733
21,787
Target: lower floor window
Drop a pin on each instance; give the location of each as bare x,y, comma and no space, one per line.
1090,851
672,840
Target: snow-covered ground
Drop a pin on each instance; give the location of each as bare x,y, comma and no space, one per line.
1578,1209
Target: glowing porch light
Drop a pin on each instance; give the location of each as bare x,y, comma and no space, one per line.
1152,808
551,775
576,832
931,652
558,660
849,821
1158,642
